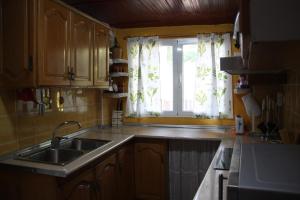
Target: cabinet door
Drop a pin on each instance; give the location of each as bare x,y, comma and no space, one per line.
150,170
1,43
126,173
106,178
81,50
82,187
16,62
53,41
101,56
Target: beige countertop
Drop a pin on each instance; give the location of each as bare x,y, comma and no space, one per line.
208,189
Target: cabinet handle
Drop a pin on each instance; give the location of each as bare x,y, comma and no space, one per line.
90,186
221,178
97,189
120,168
30,63
71,74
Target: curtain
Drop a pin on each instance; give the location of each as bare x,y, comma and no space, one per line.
211,95
144,79
213,88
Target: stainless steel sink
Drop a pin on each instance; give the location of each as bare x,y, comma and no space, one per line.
82,144
53,156
68,151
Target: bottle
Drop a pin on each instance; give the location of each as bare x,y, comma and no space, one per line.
239,125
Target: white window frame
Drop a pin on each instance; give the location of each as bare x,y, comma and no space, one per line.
177,75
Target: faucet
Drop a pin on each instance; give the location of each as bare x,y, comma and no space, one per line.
55,141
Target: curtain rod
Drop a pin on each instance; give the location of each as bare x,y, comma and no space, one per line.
172,36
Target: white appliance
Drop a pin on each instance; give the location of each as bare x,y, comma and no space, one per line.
269,171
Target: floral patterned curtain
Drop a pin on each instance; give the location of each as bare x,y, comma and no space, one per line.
213,95
144,79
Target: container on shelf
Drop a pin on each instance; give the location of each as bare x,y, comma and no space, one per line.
241,90
119,67
117,116
117,52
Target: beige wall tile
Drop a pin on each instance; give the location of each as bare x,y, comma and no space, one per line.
19,130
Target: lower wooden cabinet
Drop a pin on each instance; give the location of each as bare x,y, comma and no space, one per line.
150,169
111,179
81,187
130,172
126,173
107,178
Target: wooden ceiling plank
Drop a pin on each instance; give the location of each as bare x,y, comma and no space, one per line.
145,13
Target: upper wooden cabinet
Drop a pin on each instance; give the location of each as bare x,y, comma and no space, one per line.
17,33
47,43
53,55
81,50
270,33
101,55
1,42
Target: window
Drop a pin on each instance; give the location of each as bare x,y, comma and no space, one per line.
179,77
178,60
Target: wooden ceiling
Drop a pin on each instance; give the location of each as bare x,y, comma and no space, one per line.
145,13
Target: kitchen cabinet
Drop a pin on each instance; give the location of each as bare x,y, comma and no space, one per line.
1,43
81,50
47,43
81,187
269,34
150,169
54,44
106,178
126,173
17,33
114,176
101,55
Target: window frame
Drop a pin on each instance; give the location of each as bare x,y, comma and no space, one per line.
177,43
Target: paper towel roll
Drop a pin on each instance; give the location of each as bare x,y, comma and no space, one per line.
251,105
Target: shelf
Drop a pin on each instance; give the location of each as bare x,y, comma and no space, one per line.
118,61
119,74
241,90
116,95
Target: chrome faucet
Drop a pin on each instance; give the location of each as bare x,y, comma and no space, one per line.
55,141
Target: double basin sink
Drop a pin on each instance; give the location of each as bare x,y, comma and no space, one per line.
68,151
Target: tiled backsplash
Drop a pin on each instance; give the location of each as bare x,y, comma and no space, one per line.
21,125
291,103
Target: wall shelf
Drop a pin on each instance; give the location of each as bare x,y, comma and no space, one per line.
118,74
115,95
118,61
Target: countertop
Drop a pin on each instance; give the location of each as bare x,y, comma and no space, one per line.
208,189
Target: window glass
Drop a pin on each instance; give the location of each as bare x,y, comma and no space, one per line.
166,76
189,60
